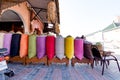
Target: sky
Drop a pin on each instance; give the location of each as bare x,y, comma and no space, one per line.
82,17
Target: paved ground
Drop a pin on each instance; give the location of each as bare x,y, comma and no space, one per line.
62,72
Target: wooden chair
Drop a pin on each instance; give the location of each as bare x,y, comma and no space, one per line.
105,58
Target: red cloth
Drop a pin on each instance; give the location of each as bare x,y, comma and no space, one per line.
50,46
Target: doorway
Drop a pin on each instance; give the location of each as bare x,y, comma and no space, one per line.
10,21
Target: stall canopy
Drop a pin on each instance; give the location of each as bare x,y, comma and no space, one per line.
38,6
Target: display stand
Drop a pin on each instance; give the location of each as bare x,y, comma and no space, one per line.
17,59
84,60
36,60
57,60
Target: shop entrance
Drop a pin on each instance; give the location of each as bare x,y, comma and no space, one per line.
10,21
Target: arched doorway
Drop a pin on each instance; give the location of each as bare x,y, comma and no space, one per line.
10,21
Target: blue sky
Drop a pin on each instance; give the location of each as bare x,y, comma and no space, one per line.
79,17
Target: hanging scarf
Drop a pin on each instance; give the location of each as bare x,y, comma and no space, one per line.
52,13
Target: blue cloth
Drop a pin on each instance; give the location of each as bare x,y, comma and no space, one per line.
15,45
3,50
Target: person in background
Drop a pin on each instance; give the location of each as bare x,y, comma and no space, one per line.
85,41
83,37
11,31
37,26
19,32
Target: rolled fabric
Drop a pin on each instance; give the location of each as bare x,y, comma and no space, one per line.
40,46
24,45
78,48
69,47
7,42
87,50
15,45
1,39
59,47
50,46
32,46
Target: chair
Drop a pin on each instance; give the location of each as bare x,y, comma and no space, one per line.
103,58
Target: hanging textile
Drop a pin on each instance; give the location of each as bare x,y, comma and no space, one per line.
57,30
51,12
